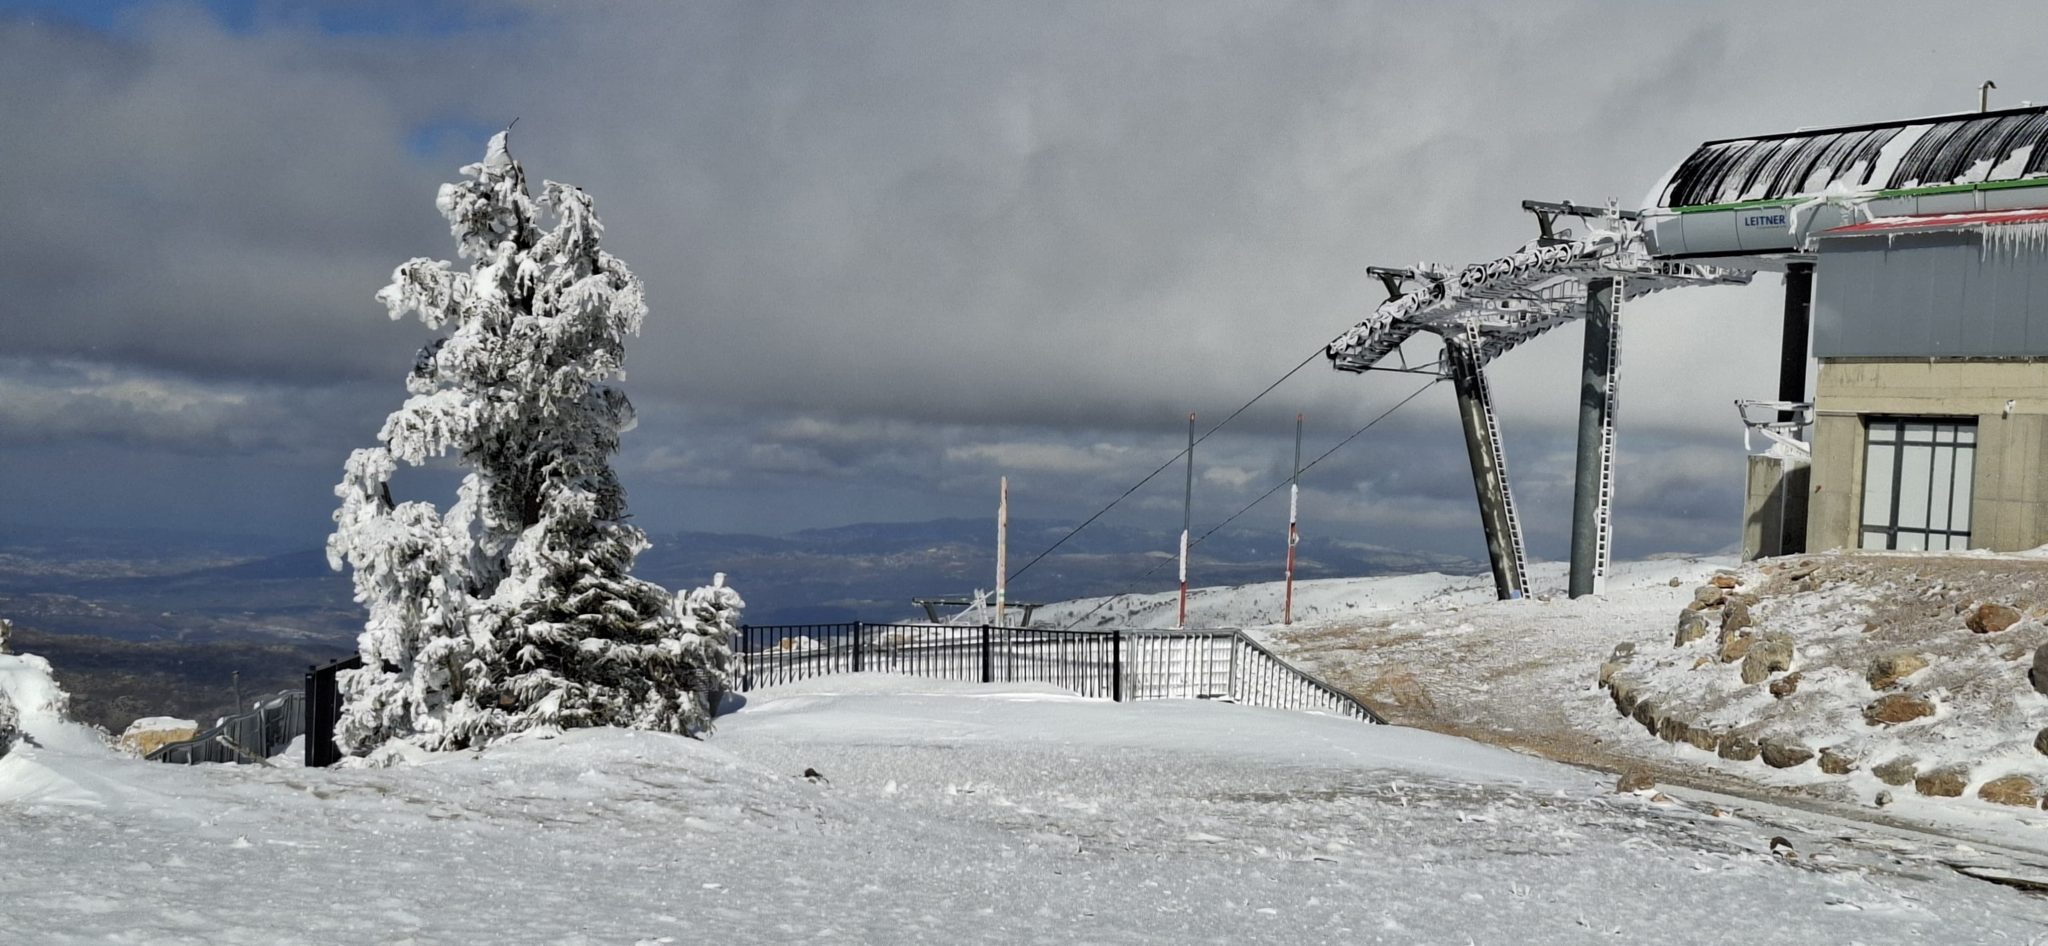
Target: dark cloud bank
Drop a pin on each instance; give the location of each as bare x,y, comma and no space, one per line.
895,250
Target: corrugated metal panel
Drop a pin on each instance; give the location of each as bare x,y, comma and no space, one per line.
1958,149
1930,295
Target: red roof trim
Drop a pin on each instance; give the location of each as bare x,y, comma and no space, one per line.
1941,221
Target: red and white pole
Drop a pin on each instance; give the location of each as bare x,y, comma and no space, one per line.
1293,519
1187,521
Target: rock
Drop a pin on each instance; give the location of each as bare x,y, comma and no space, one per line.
1991,619
1898,771
1676,583
1607,671
1703,739
1624,694
1672,729
1707,596
1835,761
1884,797
1735,646
2039,675
2041,742
1635,780
1891,668
1735,617
1770,653
2017,790
1895,708
1398,686
1646,713
1623,651
1784,753
1738,748
146,735
1785,686
1692,626
1944,782
1723,581
1702,661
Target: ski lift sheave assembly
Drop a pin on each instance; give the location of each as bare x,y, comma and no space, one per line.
1484,310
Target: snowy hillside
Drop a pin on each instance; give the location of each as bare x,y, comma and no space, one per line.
1441,653
947,813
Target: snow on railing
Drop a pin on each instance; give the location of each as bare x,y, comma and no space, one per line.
253,736
1223,664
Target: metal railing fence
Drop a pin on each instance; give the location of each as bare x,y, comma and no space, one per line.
1224,664
1119,665
261,732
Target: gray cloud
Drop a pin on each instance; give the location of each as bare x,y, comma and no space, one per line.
896,250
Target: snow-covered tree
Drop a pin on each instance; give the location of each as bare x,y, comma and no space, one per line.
516,608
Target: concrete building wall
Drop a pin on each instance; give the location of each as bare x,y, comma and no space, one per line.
2009,501
1774,508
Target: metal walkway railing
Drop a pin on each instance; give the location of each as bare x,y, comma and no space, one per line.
254,736
1117,665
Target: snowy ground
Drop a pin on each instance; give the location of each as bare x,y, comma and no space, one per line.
949,813
1439,652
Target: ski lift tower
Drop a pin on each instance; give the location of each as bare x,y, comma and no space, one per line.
1483,311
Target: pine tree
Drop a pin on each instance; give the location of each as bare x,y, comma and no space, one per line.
516,608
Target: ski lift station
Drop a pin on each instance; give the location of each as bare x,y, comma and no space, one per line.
1914,256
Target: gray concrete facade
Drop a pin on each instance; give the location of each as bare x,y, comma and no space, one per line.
2008,400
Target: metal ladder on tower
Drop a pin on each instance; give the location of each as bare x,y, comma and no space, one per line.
1604,542
1483,393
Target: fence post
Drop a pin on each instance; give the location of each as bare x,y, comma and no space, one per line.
988,657
1116,666
858,627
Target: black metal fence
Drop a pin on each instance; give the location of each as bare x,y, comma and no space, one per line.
257,734
1105,664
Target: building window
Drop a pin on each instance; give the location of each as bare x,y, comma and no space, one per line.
1916,482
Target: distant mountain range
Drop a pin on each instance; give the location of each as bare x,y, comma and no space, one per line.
197,601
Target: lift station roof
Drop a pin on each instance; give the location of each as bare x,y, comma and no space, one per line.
1760,197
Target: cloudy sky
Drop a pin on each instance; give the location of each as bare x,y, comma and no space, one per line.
895,250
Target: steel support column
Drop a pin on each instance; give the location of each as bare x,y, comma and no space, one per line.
1489,464
1793,343
1593,482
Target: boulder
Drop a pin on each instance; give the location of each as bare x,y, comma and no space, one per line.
1723,581
1834,760
1707,596
1771,653
145,735
1785,686
1692,626
1646,714
1884,797
1991,619
1703,739
2039,675
1635,780
1607,671
1945,782
1738,748
1784,753
1735,617
1898,771
1895,708
1623,651
1735,645
1624,694
1891,668
2041,742
2016,790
